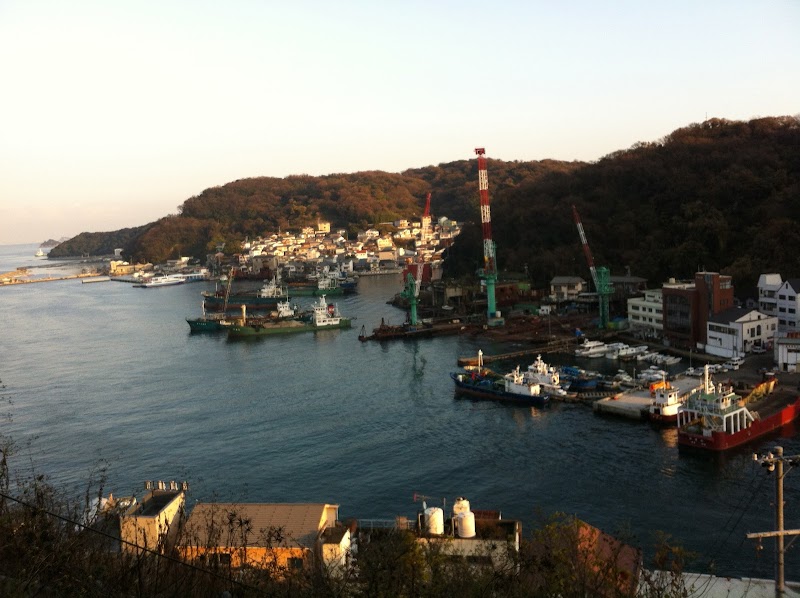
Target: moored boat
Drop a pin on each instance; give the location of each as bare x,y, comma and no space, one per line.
511,388
324,316
546,376
325,284
268,297
590,349
160,280
718,419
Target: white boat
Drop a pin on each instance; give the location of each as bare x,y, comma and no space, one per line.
200,275
633,352
613,350
39,253
590,349
161,280
545,376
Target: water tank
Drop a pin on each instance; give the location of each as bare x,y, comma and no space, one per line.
434,520
465,525
460,506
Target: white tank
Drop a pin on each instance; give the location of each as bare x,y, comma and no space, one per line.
465,525
434,520
460,506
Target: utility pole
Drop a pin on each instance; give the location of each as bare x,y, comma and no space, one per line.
774,461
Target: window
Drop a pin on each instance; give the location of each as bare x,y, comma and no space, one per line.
782,310
782,297
791,298
792,310
295,563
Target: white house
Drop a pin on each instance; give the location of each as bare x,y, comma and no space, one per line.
736,331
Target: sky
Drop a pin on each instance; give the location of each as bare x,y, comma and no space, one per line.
112,114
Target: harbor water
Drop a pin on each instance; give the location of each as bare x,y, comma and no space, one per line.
109,376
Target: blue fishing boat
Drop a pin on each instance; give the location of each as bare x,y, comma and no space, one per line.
513,387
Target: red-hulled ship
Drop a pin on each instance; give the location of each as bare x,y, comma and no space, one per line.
718,419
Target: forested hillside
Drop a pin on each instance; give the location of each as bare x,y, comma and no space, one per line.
723,195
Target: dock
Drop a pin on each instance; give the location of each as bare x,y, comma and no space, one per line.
635,403
629,405
557,346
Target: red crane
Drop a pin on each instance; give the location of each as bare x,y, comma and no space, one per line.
489,273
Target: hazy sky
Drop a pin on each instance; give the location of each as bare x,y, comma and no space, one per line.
115,112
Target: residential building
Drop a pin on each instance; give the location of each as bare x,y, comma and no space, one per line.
154,523
688,305
788,306
735,331
646,313
567,288
768,285
280,536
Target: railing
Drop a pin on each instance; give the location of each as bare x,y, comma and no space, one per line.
404,524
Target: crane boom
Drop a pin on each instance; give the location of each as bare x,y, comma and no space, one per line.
586,251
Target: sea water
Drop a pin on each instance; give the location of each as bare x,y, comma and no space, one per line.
108,376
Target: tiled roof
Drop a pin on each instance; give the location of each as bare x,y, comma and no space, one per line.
299,523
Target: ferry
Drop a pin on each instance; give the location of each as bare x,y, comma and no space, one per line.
161,280
717,419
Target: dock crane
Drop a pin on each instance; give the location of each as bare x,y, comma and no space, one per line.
601,277
489,271
410,292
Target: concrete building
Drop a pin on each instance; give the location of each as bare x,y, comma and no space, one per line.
735,331
787,352
154,523
688,306
646,313
277,536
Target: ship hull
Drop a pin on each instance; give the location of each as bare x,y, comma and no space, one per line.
205,325
236,302
284,327
721,441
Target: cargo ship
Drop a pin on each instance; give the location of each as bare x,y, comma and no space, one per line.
324,316
718,419
268,297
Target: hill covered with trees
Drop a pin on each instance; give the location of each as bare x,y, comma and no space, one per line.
721,195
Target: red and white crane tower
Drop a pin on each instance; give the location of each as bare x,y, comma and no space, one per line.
489,272
600,276
426,220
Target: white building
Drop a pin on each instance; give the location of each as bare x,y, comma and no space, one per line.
646,313
567,288
787,353
736,331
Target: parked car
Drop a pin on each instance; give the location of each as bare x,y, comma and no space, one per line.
758,350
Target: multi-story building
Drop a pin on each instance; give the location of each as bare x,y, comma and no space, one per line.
688,306
646,313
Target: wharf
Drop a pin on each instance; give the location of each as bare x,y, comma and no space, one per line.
16,281
635,403
556,346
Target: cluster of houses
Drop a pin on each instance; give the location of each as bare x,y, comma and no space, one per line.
283,537
370,251
704,315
